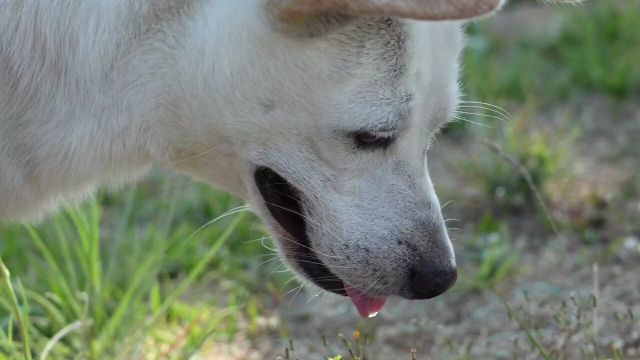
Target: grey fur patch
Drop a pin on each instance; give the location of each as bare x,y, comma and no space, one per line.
312,27
377,46
267,105
381,39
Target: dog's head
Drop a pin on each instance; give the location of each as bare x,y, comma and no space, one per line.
327,113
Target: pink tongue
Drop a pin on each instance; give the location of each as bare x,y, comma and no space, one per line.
367,306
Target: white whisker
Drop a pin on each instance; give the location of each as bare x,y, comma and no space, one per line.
482,115
471,121
205,152
503,116
496,107
276,257
228,213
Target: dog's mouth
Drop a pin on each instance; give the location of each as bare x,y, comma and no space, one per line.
284,202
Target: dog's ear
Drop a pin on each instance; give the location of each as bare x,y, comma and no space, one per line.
298,11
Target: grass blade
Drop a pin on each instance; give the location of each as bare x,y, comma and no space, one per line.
197,270
57,277
5,282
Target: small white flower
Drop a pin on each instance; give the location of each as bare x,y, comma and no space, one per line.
631,243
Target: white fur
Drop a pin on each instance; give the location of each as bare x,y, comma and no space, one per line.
93,92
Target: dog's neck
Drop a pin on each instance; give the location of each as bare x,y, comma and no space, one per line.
88,95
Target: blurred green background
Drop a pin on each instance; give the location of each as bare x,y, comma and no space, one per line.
542,186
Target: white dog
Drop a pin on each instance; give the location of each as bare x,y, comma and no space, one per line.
317,112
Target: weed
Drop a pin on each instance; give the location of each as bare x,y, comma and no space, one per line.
575,323
492,256
354,348
514,169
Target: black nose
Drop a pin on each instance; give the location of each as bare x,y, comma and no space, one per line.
430,281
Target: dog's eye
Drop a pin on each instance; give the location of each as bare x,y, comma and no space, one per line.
367,140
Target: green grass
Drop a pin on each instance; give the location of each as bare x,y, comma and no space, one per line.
519,160
14,307
116,280
595,50
492,256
